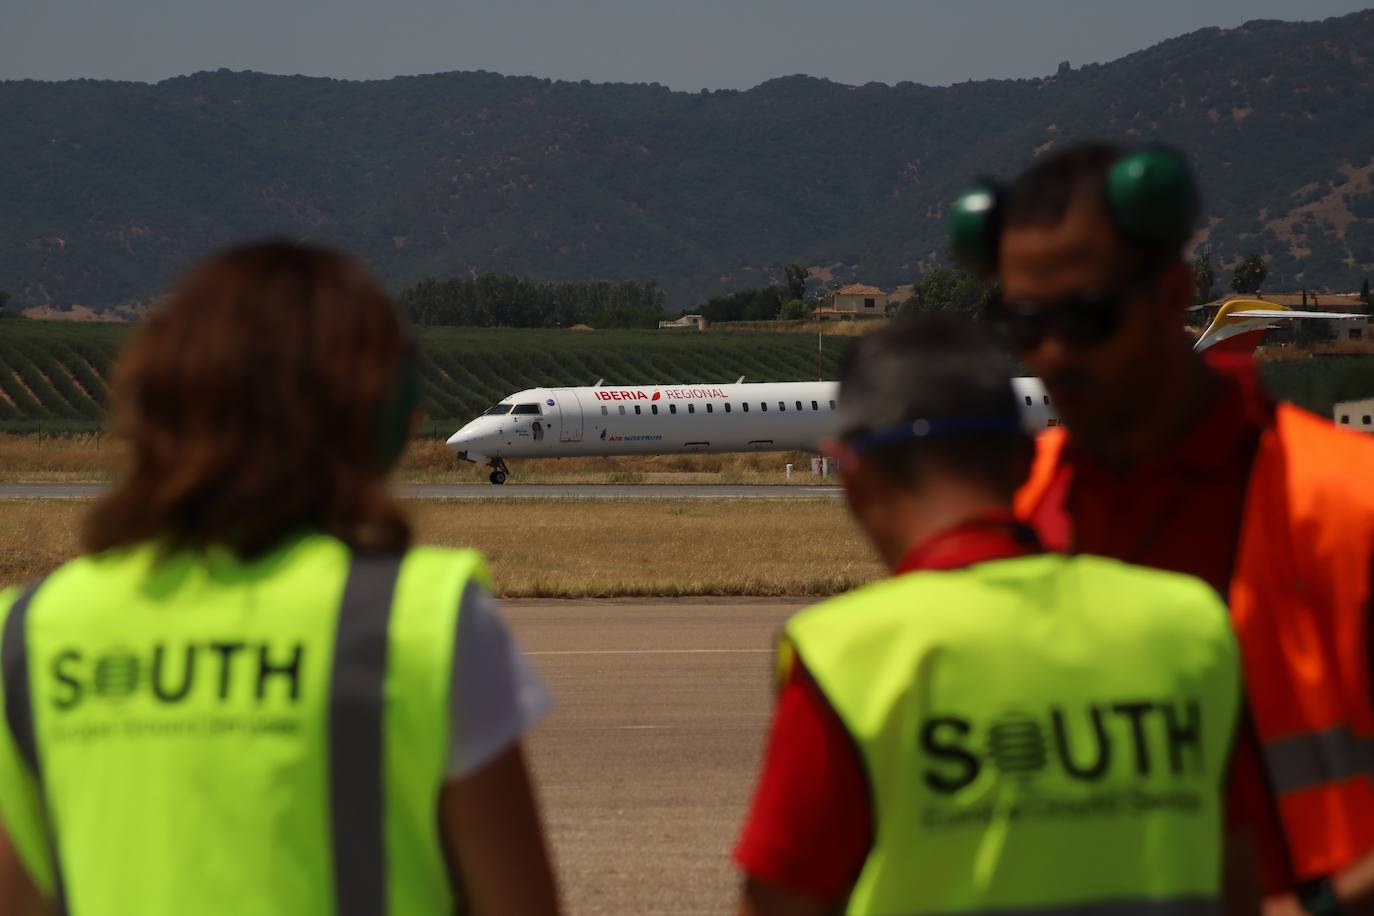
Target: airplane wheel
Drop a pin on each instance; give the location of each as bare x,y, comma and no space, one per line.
497,477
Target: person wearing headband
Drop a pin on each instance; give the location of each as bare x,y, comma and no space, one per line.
993,727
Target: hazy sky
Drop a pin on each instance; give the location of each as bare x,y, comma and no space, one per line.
685,44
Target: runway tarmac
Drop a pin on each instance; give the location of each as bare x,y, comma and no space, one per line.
470,491
647,762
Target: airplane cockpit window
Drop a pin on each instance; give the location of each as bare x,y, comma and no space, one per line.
497,411
527,409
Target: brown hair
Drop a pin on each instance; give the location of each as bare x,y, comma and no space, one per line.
251,403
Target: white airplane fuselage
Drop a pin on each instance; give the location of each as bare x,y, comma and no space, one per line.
757,417
670,419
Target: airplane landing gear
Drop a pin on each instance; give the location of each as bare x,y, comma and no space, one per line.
499,471
497,477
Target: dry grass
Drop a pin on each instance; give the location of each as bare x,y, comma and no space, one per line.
565,549
52,459
55,459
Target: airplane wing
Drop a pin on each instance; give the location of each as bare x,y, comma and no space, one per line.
1292,313
1240,324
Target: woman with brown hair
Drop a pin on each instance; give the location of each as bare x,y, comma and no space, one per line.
252,694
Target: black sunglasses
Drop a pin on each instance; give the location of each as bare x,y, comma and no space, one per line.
1085,319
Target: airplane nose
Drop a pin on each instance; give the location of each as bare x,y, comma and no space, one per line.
460,440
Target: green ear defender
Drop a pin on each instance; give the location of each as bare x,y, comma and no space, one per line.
391,425
975,222
1149,193
1152,197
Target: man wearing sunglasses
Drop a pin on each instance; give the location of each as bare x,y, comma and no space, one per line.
1168,460
994,728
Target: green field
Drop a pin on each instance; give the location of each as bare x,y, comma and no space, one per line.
53,373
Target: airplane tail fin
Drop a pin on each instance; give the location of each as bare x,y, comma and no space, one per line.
1240,324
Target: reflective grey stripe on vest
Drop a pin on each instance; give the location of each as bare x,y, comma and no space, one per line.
1303,761
14,665
1179,906
356,736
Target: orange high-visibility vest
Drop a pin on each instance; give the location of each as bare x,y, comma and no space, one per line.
1300,599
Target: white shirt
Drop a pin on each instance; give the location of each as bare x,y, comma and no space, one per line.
495,694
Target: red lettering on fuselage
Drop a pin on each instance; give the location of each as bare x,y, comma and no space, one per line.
611,394
692,394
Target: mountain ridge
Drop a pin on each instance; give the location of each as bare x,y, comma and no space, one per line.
113,188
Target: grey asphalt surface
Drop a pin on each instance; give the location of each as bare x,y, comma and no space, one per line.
647,762
507,491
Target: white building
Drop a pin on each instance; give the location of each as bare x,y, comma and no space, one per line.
696,322
1357,415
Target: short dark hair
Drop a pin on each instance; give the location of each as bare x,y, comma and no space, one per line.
937,367
1043,194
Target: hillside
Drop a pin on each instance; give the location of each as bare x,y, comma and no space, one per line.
110,189
53,374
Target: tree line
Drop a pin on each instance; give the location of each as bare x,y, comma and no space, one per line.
489,300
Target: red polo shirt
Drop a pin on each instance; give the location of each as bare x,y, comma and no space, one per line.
1181,511
810,827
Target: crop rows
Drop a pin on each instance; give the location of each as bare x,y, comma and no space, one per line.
54,375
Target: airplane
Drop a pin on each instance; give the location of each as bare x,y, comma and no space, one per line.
604,421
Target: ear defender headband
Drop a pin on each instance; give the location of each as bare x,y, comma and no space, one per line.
391,425
1149,194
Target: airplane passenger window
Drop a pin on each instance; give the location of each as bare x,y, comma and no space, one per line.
1345,419
1029,402
708,409
1047,399
782,405
497,411
799,407
746,406
1366,419
527,409
622,410
763,405
672,408
637,410
691,408
603,410
654,409
727,408
832,405
815,406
